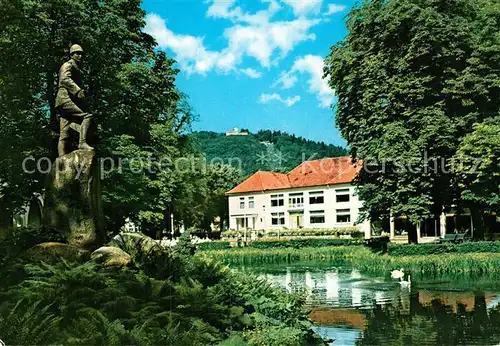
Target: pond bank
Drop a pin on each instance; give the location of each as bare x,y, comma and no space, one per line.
364,259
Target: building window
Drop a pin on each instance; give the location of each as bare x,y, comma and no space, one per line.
251,202
343,215
296,200
317,216
242,202
316,197
277,200
277,219
342,195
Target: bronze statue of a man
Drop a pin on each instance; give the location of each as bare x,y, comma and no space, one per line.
70,104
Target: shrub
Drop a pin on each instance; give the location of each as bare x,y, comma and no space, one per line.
337,232
214,245
239,234
301,243
433,249
14,241
171,298
378,243
354,232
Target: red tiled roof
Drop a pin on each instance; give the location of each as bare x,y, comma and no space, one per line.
336,170
330,171
262,181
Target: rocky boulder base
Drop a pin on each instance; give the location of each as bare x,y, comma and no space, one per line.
111,256
54,252
73,199
134,243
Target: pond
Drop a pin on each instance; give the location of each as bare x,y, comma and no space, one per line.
351,308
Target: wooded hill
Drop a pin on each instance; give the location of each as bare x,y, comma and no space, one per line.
264,150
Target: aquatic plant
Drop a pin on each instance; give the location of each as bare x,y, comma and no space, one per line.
364,259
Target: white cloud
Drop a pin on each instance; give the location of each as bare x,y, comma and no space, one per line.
220,8
260,42
190,50
250,72
335,8
304,7
286,79
225,9
289,101
253,35
311,65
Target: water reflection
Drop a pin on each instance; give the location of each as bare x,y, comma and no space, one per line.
339,289
356,309
432,323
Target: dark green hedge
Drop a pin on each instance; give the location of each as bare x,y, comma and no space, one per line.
378,244
14,241
214,245
300,243
432,249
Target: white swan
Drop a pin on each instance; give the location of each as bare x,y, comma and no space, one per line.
397,274
405,283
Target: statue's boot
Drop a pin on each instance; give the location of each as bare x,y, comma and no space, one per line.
84,128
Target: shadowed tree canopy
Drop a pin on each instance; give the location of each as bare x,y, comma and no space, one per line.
412,78
142,116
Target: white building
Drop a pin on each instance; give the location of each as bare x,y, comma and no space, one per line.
315,194
236,132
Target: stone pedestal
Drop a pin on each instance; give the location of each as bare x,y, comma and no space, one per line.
73,200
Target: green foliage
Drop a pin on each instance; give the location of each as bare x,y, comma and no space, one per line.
366,260
214,245
351,231
412,77
264,150
28,324
478,167
240,234
148,255
184,246
276,336
301,243
217,180
251,255
378,244
234,340
14,241
28,89
303,232
435,249
142,117
170,297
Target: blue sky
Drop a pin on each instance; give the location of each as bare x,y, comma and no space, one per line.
253,64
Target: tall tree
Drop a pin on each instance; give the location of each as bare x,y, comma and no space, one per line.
478,167
412,77
131,89
220,179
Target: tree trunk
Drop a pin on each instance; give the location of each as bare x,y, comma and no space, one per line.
477,223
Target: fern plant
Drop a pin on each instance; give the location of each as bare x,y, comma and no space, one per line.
28,324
